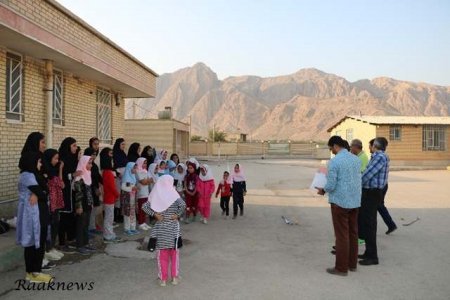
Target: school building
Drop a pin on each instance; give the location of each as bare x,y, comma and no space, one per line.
162,133
59,76
412,140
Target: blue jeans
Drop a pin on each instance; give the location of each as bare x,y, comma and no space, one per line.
384,213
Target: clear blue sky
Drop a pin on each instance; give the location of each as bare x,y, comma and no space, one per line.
403,39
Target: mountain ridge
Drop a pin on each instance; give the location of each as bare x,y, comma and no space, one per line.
297,106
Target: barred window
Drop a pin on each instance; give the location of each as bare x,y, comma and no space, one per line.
395,133
434,138
58,98
104,100
349,134
14,105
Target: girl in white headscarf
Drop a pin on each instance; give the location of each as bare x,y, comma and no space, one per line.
205,189
239,190
165,205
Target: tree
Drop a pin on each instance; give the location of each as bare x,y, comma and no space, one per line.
196,138
217,136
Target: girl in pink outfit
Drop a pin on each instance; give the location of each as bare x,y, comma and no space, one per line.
165,205
205,190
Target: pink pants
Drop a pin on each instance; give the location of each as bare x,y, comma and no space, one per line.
204,207
164,257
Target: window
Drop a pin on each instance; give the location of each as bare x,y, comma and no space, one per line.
104,99
395,133
14,109
434,138
58,98
349,134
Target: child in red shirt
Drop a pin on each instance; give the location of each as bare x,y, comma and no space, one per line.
110,194
226,191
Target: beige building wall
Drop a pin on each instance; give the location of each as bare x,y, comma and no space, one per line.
359,130
410,145
62,23
160,134
79,111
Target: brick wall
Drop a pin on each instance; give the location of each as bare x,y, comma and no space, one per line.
55,19
80,118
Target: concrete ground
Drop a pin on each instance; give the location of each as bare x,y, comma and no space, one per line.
258,256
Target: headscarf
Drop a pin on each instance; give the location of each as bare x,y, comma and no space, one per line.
28,162
238,177
86,174
65,154
171,164
119,156
140,162
133,153
129,177
150,157
151,172
172,156
163,194
91,141
32,142
105,159
161,153
194,161
90,151
177,175
208,176
52,171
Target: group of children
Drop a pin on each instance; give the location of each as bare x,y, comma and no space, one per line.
61,194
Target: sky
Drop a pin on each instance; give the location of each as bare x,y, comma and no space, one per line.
360,39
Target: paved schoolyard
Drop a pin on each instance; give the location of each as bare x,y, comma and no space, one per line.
260,257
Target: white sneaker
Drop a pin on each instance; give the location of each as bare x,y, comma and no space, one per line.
162,283
57,253
52,256
205,221
175,281
144,227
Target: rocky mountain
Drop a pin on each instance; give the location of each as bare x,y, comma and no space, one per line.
299,106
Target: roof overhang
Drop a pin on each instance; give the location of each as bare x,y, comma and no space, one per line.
25,37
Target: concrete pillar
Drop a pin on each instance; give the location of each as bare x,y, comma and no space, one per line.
48,89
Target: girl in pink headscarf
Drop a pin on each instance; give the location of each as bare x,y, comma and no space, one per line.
205,189
165,205
83,204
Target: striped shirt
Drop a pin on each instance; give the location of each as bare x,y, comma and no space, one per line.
166,231
376,174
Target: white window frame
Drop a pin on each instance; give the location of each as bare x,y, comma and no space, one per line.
104,115
349,134
58,96
16,113
434,138
395,133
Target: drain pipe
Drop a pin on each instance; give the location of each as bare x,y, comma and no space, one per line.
48,89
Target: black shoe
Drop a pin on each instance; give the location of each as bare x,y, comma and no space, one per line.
234,217
333,252
241,213
333,271
352,269
362,256
368,262
391,230
334,247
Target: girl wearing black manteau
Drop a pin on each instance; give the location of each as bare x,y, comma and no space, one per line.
35,143
133,152
149,154
32,181
69,158
120,160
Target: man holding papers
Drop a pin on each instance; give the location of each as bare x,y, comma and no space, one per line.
344,194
